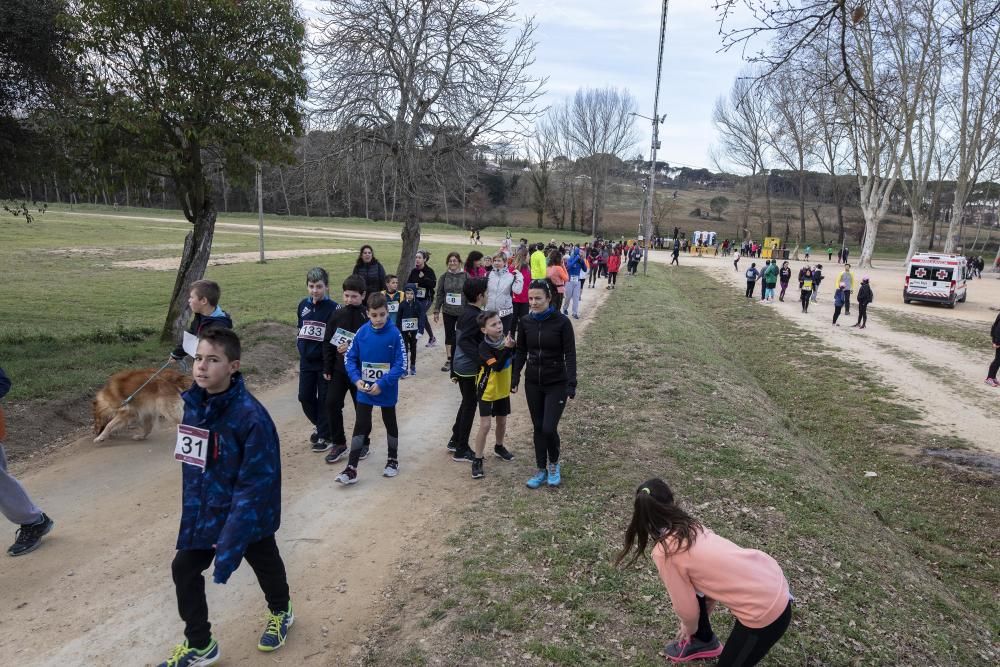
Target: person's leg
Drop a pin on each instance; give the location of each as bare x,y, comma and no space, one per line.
746,647
749,291
574,301
308,390
535,398
362,429
264,559
784,287
815,294
427,322
335,393
508,322
449,339
485,422
411,347
863,314
836,313
555,403
466,416
192,606
15,503
995,365
501,430
614,279
391,432
847,302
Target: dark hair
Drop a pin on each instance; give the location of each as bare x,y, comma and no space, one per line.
390,276
471,259
485,316
317,274
555,257
473,289
222,337
453,254
207,289
360,261
656,515
354,283
542,284
376,301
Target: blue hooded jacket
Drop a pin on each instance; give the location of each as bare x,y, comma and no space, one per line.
236,500
574,264
378,346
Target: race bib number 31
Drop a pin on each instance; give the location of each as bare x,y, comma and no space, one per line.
341,336
453,298
370,372
312,330
192,445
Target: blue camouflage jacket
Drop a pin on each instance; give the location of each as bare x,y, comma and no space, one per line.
236,500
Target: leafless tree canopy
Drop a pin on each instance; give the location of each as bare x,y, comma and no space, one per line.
421,81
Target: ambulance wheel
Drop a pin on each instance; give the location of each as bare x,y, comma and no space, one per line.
962,300
951,304
906,301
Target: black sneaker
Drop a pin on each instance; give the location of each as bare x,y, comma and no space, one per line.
446,367
364,452
321,445
501,452
30,536
464,455
314,437
452,447
336,454
477,469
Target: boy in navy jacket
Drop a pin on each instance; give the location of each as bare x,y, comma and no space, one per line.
203,300
411,321
313,313
375,362
231,506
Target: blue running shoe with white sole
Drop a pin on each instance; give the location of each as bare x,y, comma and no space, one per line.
538,479
555,476
276,630
185,656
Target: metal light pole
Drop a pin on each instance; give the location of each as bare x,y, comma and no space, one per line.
260,213
655,144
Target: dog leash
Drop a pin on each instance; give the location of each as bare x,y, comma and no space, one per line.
132,395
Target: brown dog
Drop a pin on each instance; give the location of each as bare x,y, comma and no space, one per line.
160,398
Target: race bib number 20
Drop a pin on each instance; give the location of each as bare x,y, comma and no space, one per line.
192,445
371,372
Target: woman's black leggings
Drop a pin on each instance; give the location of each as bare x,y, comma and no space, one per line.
450,322
612,277
363,428
592,276
836,313
745,646
862,314
546,404
804,297
426,303
995,365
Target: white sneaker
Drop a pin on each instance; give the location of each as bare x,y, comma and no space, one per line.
391,469
348,476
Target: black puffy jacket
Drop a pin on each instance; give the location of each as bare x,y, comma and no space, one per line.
548,348
348,318
373,274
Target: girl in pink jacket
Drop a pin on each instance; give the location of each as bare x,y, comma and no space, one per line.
700,568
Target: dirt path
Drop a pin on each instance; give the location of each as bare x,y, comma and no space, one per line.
924,372
99,589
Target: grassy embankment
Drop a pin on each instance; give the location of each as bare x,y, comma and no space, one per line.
69,317
749,419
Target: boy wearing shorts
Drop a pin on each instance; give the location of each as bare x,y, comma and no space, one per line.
411,318
375,362
492,387
203,300
228,448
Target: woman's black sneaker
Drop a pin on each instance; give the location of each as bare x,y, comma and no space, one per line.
452,446
502,452
465,455
477,469
30,536
336,453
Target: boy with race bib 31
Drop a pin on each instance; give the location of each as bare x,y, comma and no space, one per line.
375,361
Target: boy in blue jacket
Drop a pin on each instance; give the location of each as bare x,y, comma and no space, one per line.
411,321
231,506
203,299
313,313
375,362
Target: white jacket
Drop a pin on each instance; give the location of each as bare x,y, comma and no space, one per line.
499,290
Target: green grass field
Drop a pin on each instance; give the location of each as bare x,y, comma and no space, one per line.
752,422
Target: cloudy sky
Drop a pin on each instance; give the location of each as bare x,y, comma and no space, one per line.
597,43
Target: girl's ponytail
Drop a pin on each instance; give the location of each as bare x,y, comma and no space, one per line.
656,515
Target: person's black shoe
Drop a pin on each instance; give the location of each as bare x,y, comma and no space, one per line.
30,536
502,452
464,455
321,445
336,454
314,437
477,469
364,452
452,447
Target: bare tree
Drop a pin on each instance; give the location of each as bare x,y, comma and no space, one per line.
975,114
540,148
424,79
742,122
598,128
792,130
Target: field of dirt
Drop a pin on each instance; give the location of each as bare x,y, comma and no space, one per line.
99,588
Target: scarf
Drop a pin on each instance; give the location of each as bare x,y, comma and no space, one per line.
538,317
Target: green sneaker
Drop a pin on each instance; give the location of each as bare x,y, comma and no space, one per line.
185,656
276,630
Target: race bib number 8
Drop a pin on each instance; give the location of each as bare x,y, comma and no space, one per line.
370,372
192,445
341,336
453,298
409,324
312,330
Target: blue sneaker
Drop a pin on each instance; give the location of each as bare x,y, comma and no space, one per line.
276,630
185,656
413,370
538,479
554,475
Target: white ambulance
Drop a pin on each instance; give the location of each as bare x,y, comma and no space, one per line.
936,279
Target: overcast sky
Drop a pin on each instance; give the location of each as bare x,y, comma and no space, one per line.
597,43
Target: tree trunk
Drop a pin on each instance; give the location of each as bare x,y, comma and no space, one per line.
284,191
919,222
957,208
326,189
819,223
767,199
55,183
802,208
410,236
194,260
541,215
840,224
225,191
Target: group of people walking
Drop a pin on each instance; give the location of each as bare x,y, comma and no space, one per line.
809,280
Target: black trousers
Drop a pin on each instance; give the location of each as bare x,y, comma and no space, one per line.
507,322
750,284
546,404
410,341
312,397
847,302
520,310
592,276
673,259
426,303
466,416
804,298
363,429
995,366
189,582
836,313
450,322
612,277
862,314
748,646
340,385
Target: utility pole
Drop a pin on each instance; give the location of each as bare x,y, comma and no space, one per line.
656,138
260,214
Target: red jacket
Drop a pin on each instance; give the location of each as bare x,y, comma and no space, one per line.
614,263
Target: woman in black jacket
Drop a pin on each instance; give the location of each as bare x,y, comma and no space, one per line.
425,279
546,350
865,296
370,270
